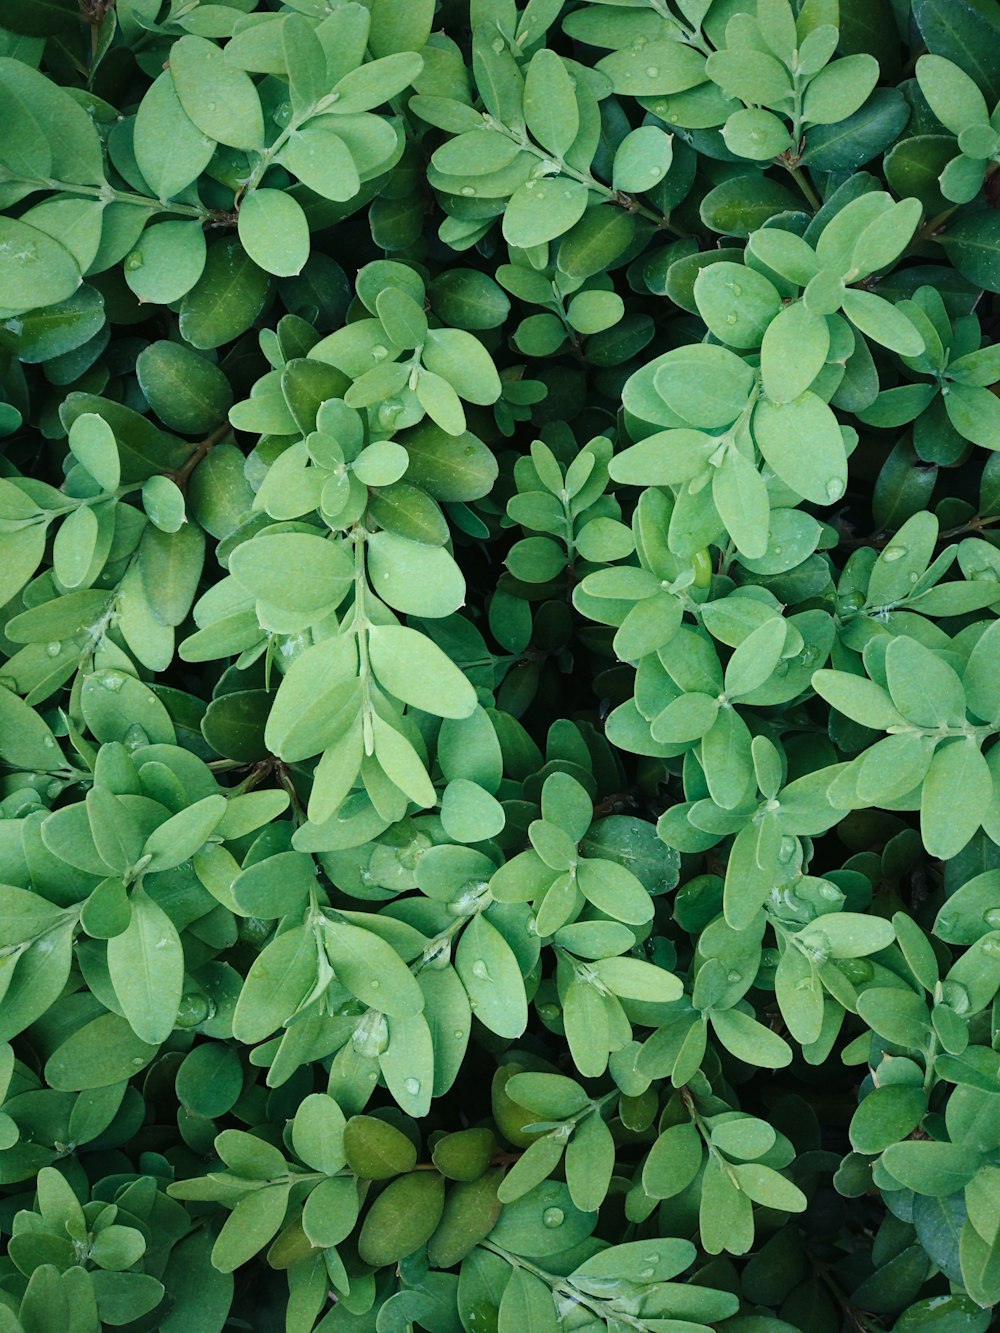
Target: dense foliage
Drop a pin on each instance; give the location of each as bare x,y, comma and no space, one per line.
500,808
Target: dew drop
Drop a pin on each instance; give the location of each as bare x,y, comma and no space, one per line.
468,190
379,353
991,947
133,261
992,918
651,71
834,489
412,1086
479,969
459,1034
893,553
733,975
112,683
194,1009
374,983
53,790
53,649
646,1273
553,1217
137,1061
497,45
731,317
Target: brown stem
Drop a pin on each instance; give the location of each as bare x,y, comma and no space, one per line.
183,473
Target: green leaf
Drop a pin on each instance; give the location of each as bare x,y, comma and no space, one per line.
974,412
186,391
402,1219
462,360
230,294
170,150
376,1150
934,1169
527,1304
767,1187
923,687
412,667
35,270
321,160
252,1223
183,834
98,1054
707,386
325,570
490,974
751,76
371,969
881,321
756,134
972,244
642,159
673,1161
741,498
951,94
739,206
736,303
550,107
964,32
167,262
146,965
274,232
801,441
614,890
840,89
749,1040
542,209
887,1115
955,797
793,352
414,578
219,99
93,442
278,981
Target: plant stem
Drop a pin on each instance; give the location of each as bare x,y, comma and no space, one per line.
799,177
183,473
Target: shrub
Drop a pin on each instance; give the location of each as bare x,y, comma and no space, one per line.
501,667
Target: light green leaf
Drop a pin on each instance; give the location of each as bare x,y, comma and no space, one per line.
146,965
412,667
219,99
274,231
542,209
